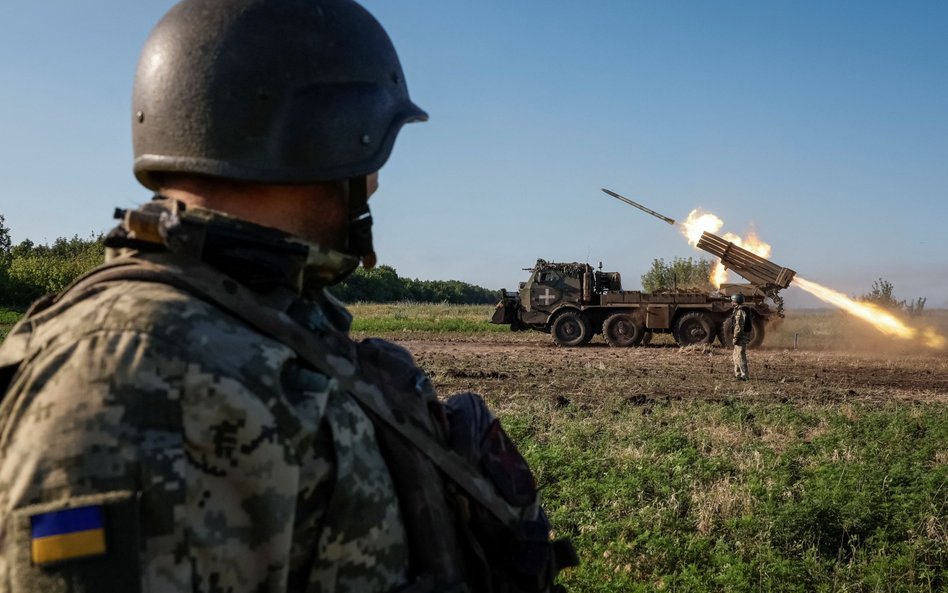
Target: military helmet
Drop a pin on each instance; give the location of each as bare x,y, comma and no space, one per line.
737,299
269,91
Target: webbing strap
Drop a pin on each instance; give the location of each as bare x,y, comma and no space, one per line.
332,353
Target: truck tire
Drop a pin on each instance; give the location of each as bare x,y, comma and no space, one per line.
758,332
696,327
571,328
726,333
621,331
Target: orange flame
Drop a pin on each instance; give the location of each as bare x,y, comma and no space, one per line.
884,321
879,318
718,274
699,222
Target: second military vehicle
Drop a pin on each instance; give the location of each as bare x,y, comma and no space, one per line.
574,302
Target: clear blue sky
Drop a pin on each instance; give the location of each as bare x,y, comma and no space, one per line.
824,125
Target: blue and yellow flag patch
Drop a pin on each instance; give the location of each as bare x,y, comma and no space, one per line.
67,534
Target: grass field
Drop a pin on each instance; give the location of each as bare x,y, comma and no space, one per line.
828,471
8,317
423,317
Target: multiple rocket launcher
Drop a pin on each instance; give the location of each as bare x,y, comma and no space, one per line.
770,278
764,274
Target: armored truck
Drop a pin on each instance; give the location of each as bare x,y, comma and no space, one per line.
573,302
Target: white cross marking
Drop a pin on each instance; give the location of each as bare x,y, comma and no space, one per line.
547,297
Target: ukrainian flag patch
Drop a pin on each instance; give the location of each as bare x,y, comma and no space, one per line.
67,534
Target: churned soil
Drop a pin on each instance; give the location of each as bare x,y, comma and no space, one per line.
511,367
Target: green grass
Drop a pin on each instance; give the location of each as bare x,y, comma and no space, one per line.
8,317
386,318
736,496
717,493
423,317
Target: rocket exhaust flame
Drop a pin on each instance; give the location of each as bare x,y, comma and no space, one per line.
699,222
879,318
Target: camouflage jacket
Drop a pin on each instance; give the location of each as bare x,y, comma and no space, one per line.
150,441
741,320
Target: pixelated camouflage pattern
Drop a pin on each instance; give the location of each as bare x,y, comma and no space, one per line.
251,471
741,320
741,339
740,361
346,531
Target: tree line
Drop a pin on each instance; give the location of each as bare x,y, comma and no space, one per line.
382,284
29,271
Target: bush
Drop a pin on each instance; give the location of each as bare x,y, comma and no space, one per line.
29,271
882,294
681,274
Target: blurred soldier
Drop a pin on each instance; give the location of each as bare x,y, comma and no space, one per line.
192,416
742,336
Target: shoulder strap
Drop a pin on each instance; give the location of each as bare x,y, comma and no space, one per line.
332,353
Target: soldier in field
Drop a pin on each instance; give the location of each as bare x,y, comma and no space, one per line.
192,416
742,336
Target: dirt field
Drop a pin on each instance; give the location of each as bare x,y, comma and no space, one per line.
509,366
668,474
827,471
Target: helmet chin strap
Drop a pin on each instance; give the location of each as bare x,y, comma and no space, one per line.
360,222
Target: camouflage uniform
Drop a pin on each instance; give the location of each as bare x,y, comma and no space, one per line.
193,417
222,462
741,339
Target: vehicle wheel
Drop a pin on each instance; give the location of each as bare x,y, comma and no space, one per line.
757,338
571,328
758,332
696,327
726,333
621,331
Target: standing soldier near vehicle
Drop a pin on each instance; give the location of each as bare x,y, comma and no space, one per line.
193,416
743,329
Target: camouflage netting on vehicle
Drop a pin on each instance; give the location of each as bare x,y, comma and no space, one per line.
570,268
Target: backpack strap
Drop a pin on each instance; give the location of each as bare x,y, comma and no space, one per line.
15,348
332,353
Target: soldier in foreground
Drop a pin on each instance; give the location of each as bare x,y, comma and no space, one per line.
193,416
742,336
